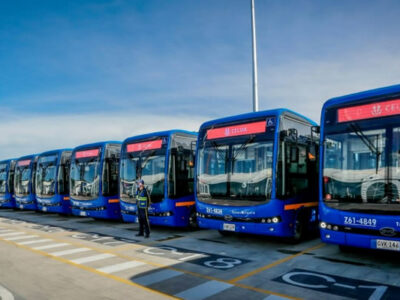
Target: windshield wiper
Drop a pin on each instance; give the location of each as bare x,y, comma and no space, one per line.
374,149
243,146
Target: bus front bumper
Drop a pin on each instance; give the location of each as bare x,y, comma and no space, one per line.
271,229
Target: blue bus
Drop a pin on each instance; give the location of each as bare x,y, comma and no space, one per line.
52,181
256,173
7,171
360,170
93,182
24,182
165,161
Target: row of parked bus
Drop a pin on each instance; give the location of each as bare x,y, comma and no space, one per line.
273,172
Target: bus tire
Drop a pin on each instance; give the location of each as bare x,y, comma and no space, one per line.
224,233
193,225
299,229
345,248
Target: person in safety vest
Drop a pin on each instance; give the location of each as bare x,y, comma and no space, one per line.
143,202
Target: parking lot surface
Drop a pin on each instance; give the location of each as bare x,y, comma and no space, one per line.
44,256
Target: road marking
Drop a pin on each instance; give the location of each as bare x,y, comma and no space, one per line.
92,270
17,238
5,294
57,245
34,242
120,267
70,251
92,258
11,234
157,277
149,262
5,230
204,290
273,297
275,263
192,256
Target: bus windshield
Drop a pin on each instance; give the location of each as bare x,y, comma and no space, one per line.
361,168
148,165
46,174
85,176
3,178
235,170
22,179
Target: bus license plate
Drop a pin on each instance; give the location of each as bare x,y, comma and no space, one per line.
229,227
388,245
82,213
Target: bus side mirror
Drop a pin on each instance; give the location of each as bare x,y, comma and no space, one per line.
316,129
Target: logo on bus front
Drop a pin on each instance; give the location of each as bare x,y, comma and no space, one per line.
376,110
387,231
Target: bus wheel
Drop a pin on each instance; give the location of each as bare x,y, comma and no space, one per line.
193,221
345,248
224,233
299,230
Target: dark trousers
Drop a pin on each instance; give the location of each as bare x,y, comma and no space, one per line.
144,226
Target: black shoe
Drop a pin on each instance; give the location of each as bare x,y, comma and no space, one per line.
147,236
139,234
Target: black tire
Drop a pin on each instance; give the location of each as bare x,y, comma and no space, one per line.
345,249
224,233
193,225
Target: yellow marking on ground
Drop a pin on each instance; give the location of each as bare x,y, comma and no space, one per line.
275,263
163,266
92,270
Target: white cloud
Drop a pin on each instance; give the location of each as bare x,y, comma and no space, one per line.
26,135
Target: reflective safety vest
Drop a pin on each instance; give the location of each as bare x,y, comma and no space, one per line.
142,199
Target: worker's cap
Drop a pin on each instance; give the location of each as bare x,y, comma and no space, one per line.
140,181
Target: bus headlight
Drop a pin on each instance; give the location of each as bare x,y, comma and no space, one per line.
322,225
275,220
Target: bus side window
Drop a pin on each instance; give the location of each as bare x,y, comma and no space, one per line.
11,178
181,171
111,171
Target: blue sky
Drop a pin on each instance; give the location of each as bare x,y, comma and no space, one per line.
74,72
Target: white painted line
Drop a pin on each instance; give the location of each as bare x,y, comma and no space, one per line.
11,234
120,267
204,290
92,258
17,238
34,242
50,246
198,255
70,251
5,294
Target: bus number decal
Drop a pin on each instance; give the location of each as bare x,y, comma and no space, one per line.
369,222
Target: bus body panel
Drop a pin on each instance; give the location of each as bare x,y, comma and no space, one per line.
7,199
102,207
168,212
57,203
357,229
27,202
265,212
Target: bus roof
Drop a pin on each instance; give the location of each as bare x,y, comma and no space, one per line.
53,151
272,112
158,133
6,161
362,95
97,144
31,156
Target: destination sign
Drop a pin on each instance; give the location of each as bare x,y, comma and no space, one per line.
237,130
87,153
369,111
143,146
